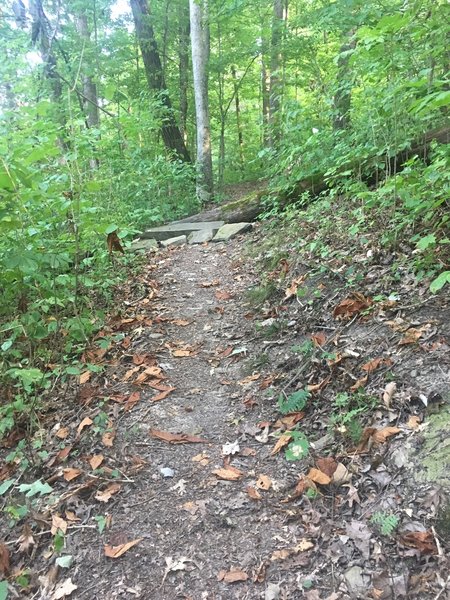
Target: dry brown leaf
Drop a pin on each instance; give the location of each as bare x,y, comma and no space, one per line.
253,493
348,307
293,288
4,560
281,443
58,523
423,541
375,363
228,473
249,379
411,336
232,576
223,295
133,399
84,423
162,395
96,460
177,438
108,438
84,377
327,465
181,353
341,475
413,422
202,459
106,494
113,243
317,387
26,540
117,551
62,433
281,554
319,339
63,454
318,477
264,482
388,393
303,545
71,473
130,373
63,589
382,435
181,322
207,284
359,383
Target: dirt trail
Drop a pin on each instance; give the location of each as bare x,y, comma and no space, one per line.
195,519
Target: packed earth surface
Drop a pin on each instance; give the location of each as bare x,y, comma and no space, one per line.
177,473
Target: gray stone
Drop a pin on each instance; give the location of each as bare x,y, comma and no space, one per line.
176,229
201,236
175,241
357,581
148,245
226,232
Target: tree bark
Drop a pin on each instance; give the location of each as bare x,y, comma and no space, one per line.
238,117
183,60
343,95
200,54
276,71
171,135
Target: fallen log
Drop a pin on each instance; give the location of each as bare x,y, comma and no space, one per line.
248,208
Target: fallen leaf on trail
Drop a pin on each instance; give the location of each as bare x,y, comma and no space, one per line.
229,473
108,438
71,516
319,477
264,482
84,377
412,336
26,540
130,373
318,339
4,560
341,475
181,353
232,576
223,295
327,465
248,452
106,494
70,474
413,422
133,399
207,284
293,288
113,243
58,523
249,379
140,359
289,420
64,589
96,460
148,372
302,546
382,435
191,507
375,363
281,554
62,433
317,387
117,551
303,484
388,393
281,443
126,342
63,454
84,423
422,540
177,438
181,322
348,307
226,352
359,383
253,493
201,459
162,395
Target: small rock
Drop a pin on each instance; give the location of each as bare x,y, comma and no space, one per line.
356,581
167,472
175,241
201,236
142,246
226,232
272,591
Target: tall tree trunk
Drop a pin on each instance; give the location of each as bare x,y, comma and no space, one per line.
200,52
276,71
90,100
343,96
183,61
238,117
171,135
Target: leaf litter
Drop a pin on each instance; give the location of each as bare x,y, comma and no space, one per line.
262,519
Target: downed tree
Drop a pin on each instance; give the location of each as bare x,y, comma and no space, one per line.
249,207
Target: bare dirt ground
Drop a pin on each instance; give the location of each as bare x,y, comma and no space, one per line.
169,469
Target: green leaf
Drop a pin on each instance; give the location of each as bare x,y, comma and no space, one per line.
37,487
101,523
64,561
5,486
3,590
438,283
297,449
111,229
426,242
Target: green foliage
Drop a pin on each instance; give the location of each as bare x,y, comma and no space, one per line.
387,523
294,402
348,409
298,447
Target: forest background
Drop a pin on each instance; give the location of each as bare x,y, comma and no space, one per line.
100,134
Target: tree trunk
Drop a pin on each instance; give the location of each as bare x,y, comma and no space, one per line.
200,52
183,59
343,95
171,135
238,118
276,71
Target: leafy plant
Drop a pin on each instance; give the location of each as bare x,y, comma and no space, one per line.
294,402
387,523
298,447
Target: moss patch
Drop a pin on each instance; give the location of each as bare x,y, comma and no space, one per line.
433,462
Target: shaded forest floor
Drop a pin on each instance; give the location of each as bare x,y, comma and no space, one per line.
169,469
